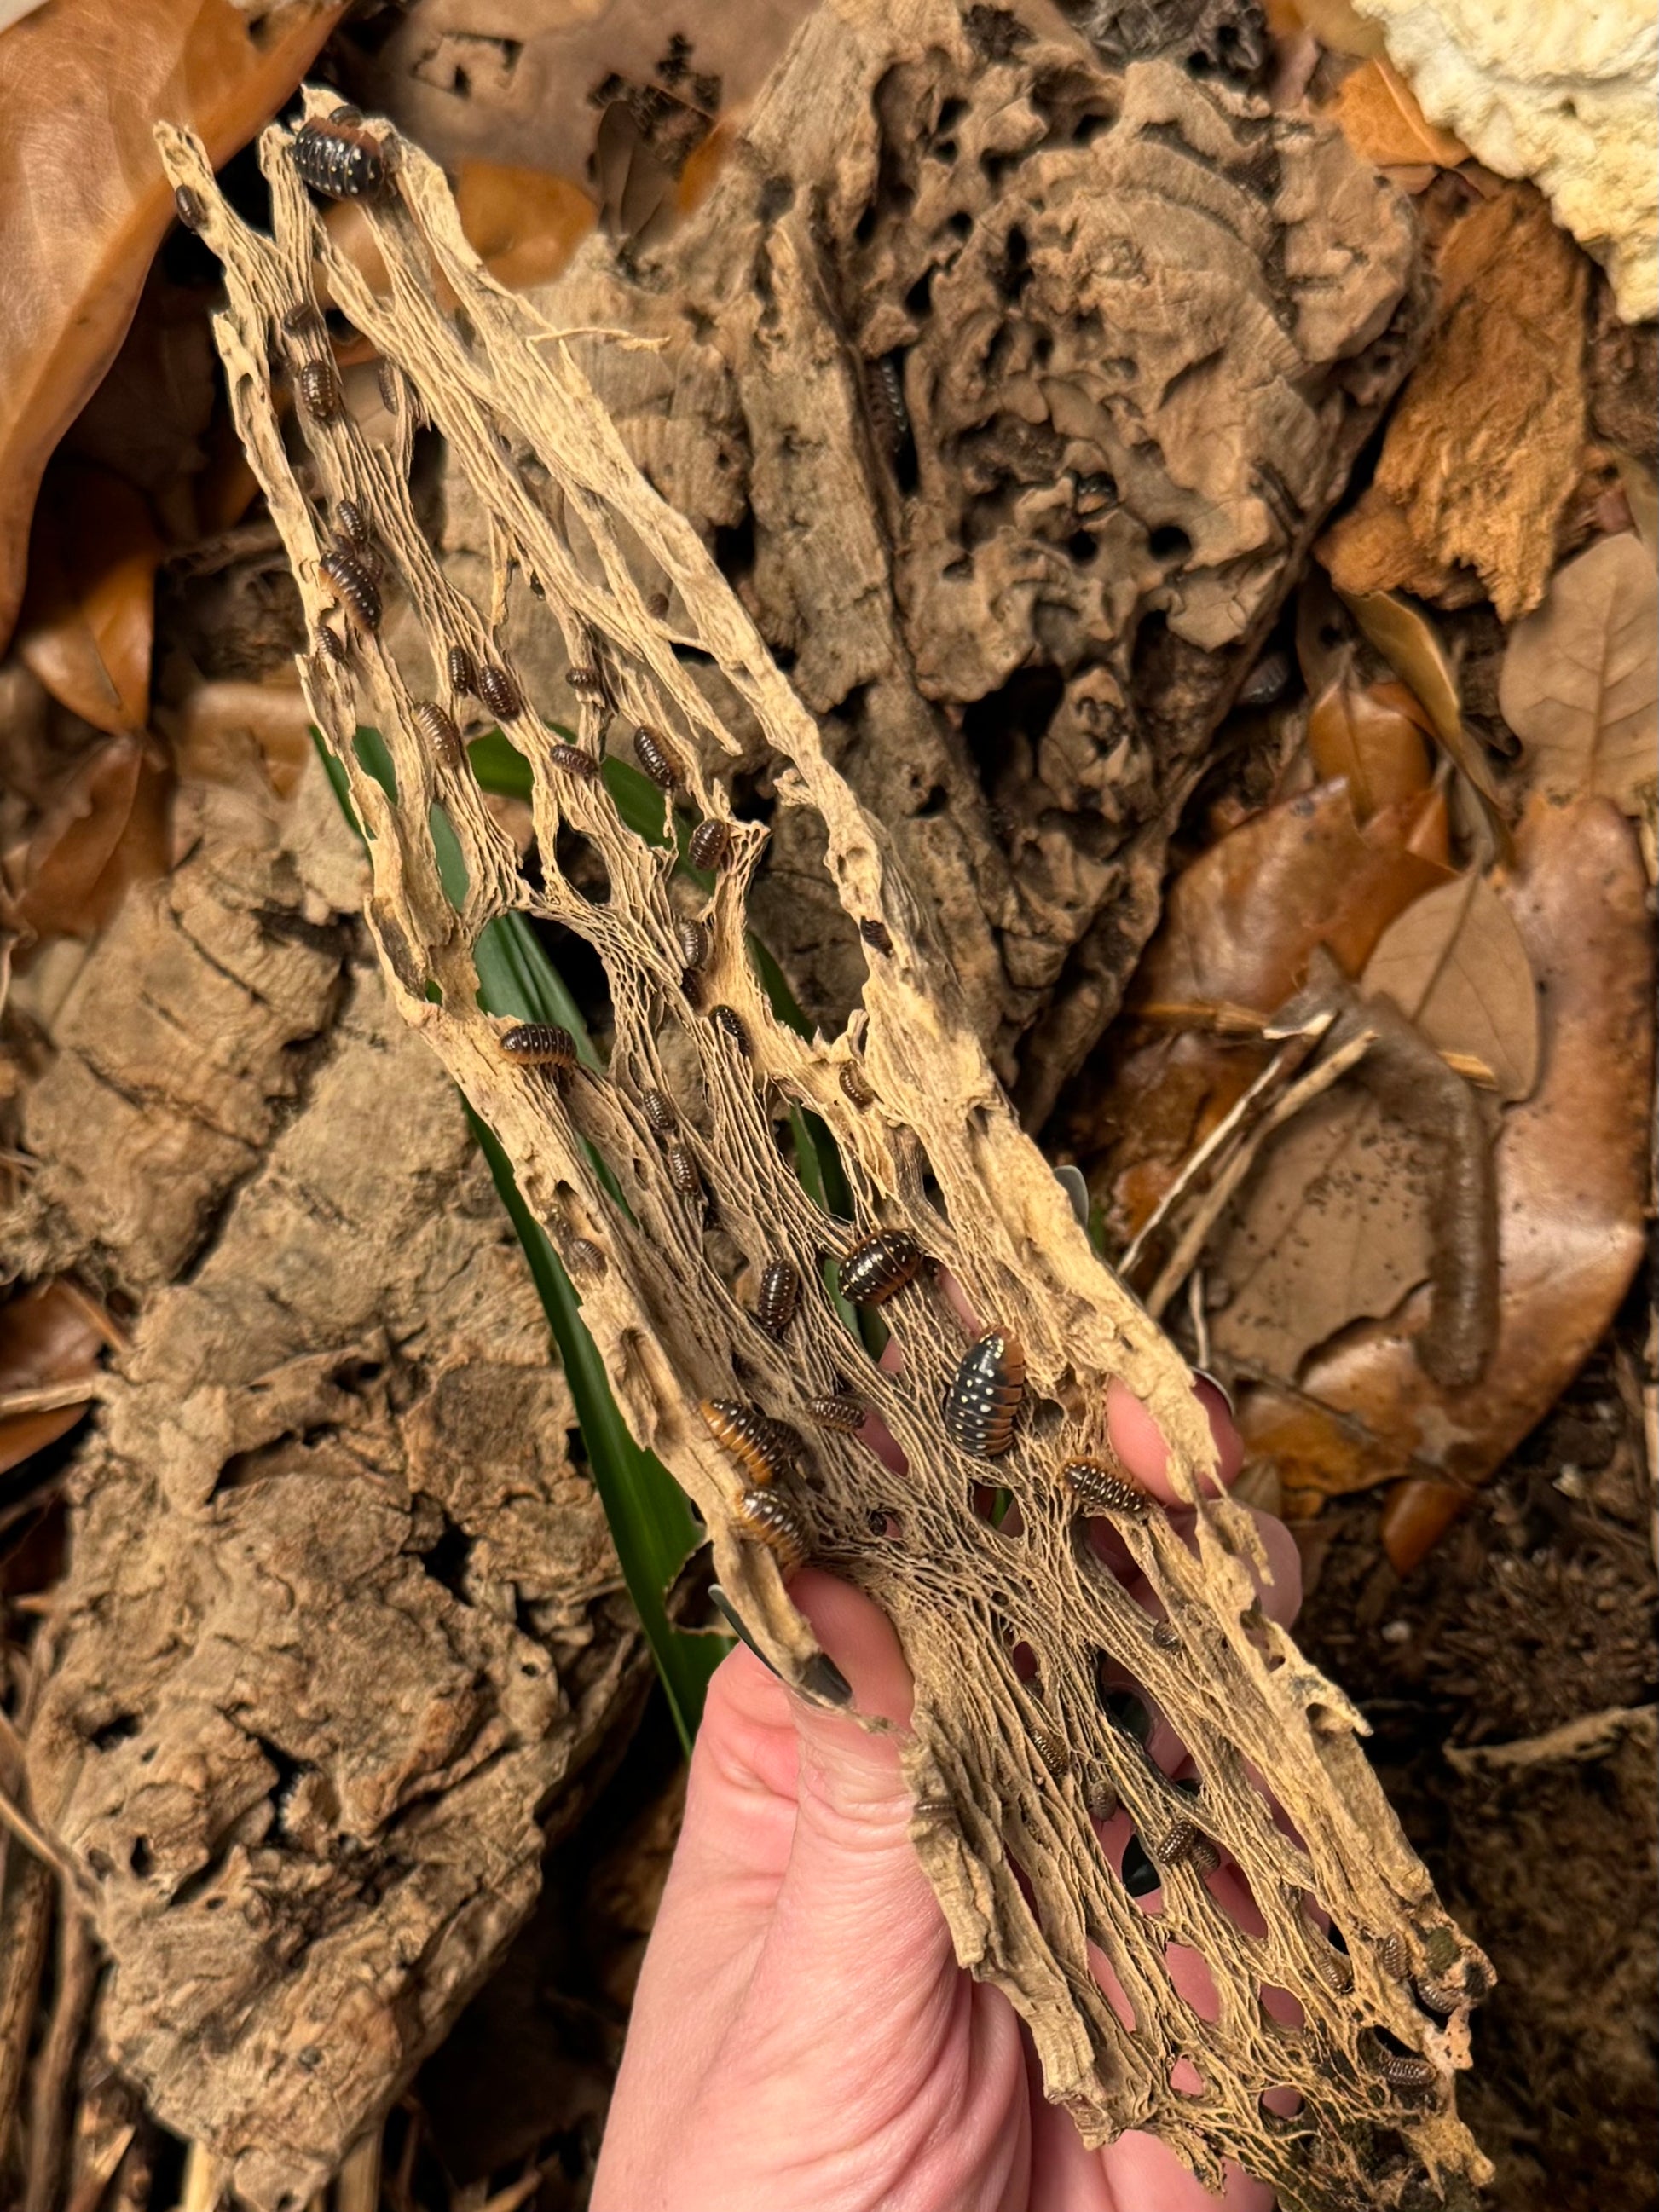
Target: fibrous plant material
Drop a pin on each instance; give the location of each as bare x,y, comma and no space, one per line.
1005,1762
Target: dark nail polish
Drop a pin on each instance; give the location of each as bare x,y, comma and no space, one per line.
735,1622
1215,1383
823,1679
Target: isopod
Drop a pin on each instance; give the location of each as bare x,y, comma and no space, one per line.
1095,494
355,585
729,1022
659,1111
338,158
855,1088
1393,1955
539,1044
984,1395
387,376
658,760
683,1177
1102,1489
440,732
1438,1999
349,520
835,1409
1334,1967
692,938
1052,1747
463,670
304,320
585,1258
319,387
773,1521
777,1298
1406,2071
879,1267
709,845
1179,1843
877,936
499,692
749,1435
187,206
330,644
585,682
1166,1635
890,417
571,760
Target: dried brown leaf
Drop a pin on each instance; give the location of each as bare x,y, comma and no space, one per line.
1454,963
523,224
1580,685
88,615
105,830
49,1334
1373,740
1381,120
1640,488
1572,1182
1484,448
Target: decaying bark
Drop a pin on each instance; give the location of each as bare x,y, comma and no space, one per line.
1012,1629
342,1620
1010,391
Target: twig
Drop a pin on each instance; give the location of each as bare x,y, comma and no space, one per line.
25,1929
1588,1737
49,1397
78,1968
101,2171
13,1817
516,2192
138,2173
1199,1319
203,2183
358,2188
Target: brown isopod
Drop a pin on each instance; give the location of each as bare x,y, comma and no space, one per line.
304,320
777,1296
354,586
1406,2071
658,760
773,1521
1052,1747
330,645
1334,1967
877,936
1177,1844
729,1022
1437,1998
187,206
1099,1488
585,1258
338,158
462,670
693,941
539,1044
1394,1956
657,1109
1166,1635
319,388
584,680
985,1395
499,692
854,1087
436,727
571,760
888,415
879,1267
709,845
749,1435
835,1409
388,379
683,1177
350,522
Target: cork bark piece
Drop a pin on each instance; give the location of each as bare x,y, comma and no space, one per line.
1014,1628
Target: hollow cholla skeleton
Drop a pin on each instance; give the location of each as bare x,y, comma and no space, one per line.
1016,1631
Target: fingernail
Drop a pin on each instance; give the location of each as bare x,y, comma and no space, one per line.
735,1622
823,1679
1215,1383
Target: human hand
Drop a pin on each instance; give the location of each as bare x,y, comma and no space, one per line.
802,2039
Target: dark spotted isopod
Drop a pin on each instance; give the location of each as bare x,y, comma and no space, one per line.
1393,1955
438,731
879,1267
1437,1997
586,680
338,158
749,1435
835,1409
773,1521
462,670
709,845
1099,1488
888,415
854,1087
354,586
539,1044
985,1395
1177,1844
729,1022
683,1177
777,1298
330,645
351,523
1334,1968
187,206
1268,681
1052,1747
692,939
585,1258
571,760
1406,2071
387,376
1166,1635
499,692
877,936
319,387
658,760
304,320
659,1111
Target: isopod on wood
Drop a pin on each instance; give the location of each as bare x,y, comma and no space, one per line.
1099,1488
1334,1967
709,845
854,1087
890,417
338,158
1406,2071
657,1109
771,1519
571,760
387,376
350,522
1393,1956
304,320
585,1258
187,206
1437,1997
330,645
777,1296
462,669
835,1409
499,692
1177,1843
1166,1635
1052,1747
879,1267
319,388
877,936
684,1176
693,941
749,1435
729,1022
440,732
587,681
658,760
539,1044
985,1395
354,586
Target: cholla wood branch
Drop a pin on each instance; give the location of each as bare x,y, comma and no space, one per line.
1017,1632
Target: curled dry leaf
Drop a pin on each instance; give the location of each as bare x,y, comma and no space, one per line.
1484,449
81,84
1373,738
1381,120
253,737
52,1334
1454,963
523,224
1580,686
1572,1186
105,829
88,614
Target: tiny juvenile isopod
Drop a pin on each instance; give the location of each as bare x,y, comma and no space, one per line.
1166,1635
387,376
330,645
1099,1488
338,158
585,1258
835,1409
1334,1967
773,1521
539,1044
436,727
354,586
877,936
888,415
571,760
729,1022
855,1086
304,320
985,1395
879,1267
693,941
587,680
751,1437
1406,2071
777,1296
658,760
683,1177
319,388
462,670
659,1111
499,692
187,206
709,845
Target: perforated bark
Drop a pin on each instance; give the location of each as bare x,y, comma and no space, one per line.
1014,1637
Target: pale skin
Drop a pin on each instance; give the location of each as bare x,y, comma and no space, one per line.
802,2039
